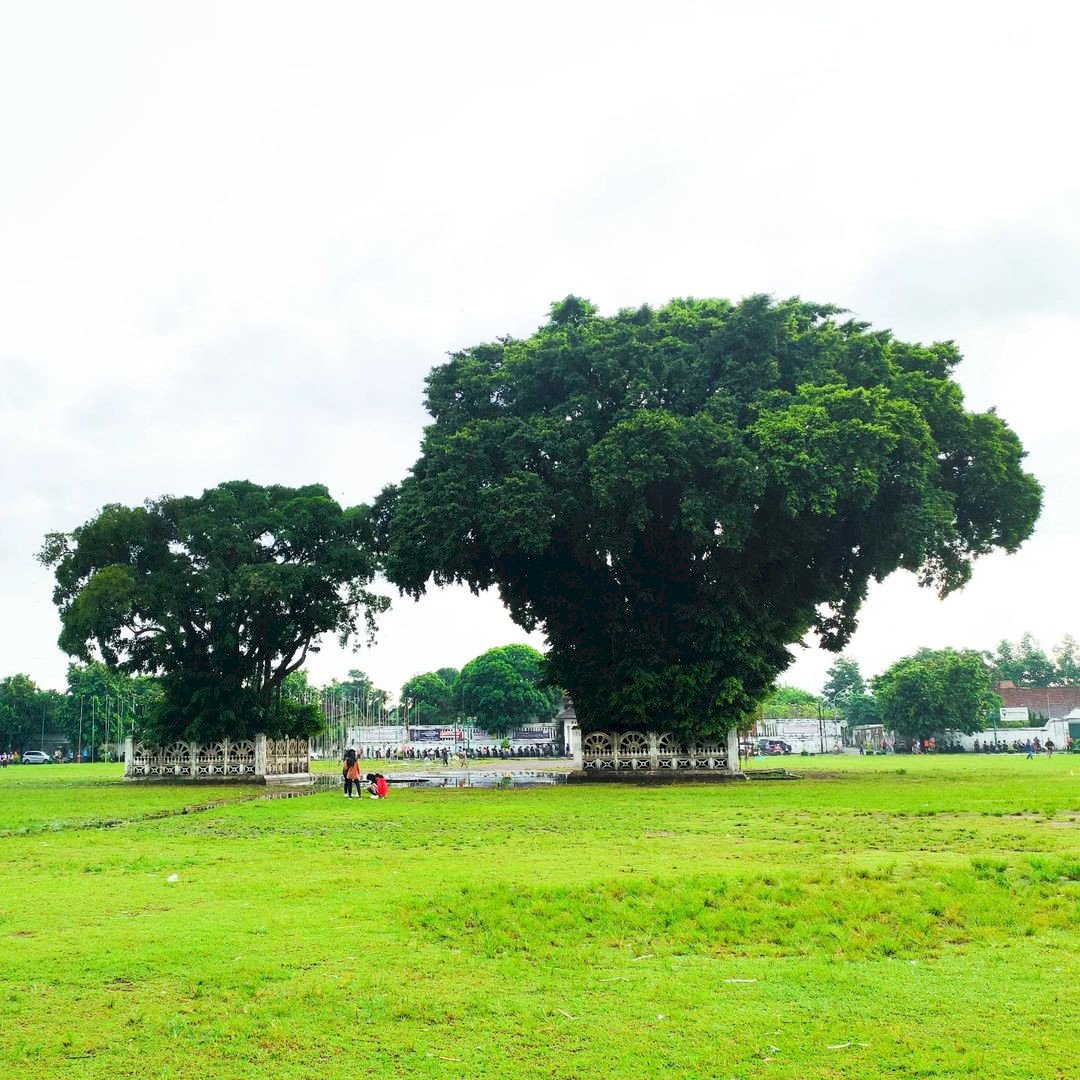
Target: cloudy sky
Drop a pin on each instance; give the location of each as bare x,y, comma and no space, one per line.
235,236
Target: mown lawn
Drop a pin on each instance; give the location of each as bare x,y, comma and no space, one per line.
36,798
863,922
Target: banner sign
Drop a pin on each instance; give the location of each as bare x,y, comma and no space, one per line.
535,733
435,734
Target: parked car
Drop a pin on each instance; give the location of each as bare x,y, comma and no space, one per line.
772,747
36,757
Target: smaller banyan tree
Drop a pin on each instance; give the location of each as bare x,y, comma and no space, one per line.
675,496
223,596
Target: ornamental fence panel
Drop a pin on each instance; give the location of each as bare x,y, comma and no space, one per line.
224,759
629,751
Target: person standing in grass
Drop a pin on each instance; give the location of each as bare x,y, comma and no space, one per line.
1030,748
351,772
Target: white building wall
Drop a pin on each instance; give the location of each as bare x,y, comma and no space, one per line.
804,733
1055,730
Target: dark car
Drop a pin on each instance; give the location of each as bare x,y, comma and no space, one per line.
772,747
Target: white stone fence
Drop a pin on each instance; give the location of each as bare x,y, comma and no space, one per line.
630,751
257,761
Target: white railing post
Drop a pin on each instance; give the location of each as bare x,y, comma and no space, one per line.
574,732
733,750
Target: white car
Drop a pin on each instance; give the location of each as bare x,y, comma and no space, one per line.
36,757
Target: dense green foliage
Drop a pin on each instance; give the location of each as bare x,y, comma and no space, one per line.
504,688
104,705
785,702
1025,663
1067,662
430,699
933,692
222,596
843,680
855,927
860,709
21,705
359,688
676,495
845,689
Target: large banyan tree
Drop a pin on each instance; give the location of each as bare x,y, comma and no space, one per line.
676,496
223,596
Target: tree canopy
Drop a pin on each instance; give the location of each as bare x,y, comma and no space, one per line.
845,689
843,680
21,704
504,688
1025,663
359,685
789,702
1067,661
936,691
106,703
676,495
223,595
430,698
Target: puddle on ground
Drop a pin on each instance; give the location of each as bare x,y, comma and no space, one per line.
468,779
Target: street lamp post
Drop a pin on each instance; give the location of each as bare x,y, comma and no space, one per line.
830,700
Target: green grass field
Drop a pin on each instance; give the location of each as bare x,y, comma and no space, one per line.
877,917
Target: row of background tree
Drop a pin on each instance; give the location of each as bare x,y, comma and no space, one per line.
504,688
100,706
932,691
501,689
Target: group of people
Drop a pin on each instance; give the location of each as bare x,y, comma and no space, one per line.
9,759
884,748
445,754
377,785
1031,747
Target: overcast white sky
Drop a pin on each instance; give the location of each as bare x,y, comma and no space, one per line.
234,237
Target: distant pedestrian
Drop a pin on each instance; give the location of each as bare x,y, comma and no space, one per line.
1029,746
1050,748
